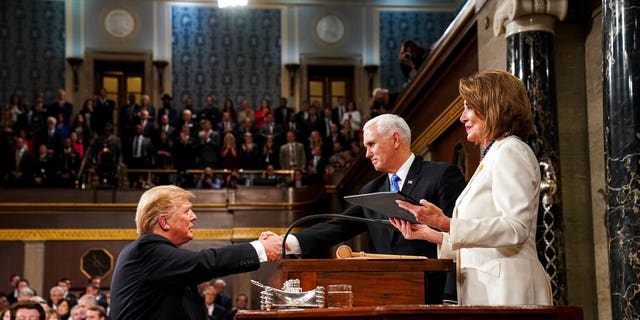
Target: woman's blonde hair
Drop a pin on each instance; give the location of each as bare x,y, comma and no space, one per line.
156,202
501,100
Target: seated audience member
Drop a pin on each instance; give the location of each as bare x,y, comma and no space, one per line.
52,315
269,178
15,284
42,302
300,180
55,295
329,171
94,290
242,302
208,180
214,310
65,283
222,298
4,303
85,302
27,310
25,294
411,57
230,179
96,313
76,313
63,308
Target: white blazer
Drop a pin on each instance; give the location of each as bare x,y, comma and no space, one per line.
493,229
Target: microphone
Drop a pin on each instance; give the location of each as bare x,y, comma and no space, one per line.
283,254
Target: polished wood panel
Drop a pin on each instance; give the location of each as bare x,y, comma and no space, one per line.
62,259
411,312
12,253
365,276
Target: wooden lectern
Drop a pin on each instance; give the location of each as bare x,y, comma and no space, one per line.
373,282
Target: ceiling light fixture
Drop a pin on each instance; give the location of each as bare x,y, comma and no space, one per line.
232,3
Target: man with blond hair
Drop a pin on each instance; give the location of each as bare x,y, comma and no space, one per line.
156,279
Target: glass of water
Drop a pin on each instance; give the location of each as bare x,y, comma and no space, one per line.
339,296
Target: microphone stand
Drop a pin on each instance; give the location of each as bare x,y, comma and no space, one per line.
327,216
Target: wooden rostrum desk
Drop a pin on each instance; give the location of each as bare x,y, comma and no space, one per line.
373,282
388,289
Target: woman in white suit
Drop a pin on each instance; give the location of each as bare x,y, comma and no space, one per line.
492,232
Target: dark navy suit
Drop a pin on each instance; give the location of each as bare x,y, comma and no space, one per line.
154,279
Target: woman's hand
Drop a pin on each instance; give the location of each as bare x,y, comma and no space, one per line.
416,231
427,213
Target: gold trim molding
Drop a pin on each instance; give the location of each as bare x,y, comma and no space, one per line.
443,122
126,234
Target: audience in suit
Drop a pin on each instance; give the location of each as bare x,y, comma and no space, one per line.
103,110
20,167
214,311
129,117
222,298
292,154
338,112
61,105
282,113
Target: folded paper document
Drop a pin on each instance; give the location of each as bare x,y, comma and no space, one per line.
385,203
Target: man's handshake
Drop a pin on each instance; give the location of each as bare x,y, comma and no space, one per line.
272,245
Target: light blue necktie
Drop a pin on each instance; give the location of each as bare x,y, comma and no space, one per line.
394,183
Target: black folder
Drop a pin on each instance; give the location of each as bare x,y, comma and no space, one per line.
385,203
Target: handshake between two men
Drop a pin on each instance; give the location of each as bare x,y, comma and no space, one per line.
272,244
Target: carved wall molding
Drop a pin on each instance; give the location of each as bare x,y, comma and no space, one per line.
514,16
